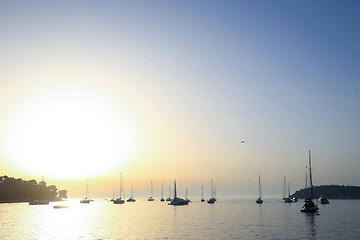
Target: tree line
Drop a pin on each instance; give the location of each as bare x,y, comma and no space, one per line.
19,190
330,192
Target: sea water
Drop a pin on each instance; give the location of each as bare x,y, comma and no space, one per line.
226,219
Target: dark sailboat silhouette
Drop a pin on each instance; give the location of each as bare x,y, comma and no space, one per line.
119,200
259,200
177,201
308,205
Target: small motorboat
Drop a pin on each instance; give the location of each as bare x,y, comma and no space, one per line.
323,200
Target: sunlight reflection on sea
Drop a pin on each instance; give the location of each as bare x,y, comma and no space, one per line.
226,219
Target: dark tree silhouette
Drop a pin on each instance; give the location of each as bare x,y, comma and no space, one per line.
18,190
330,192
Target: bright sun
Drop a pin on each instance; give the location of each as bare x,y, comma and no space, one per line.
68,136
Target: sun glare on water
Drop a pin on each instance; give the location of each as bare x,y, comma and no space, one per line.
68,136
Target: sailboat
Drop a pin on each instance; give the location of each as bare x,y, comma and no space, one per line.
131,199
285,199
308,205
202,193
212,199
151,197
177,201
162,192
169,198
259,200
119,200
86,199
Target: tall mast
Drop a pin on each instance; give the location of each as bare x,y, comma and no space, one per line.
284,188
212,188
306,185
162,190
202,191
259,187
132,193
175,195
311,184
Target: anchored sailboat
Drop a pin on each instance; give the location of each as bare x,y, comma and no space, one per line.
285,199
259,200
151,197
162,192
119,200
212,199
86,199
308,205
131,199
202,193
177,201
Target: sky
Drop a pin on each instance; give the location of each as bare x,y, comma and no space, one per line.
160,90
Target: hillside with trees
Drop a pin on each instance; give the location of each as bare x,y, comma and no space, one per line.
18,190
330,192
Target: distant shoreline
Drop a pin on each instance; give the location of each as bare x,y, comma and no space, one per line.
330,192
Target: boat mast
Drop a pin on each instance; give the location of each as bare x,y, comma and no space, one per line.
311,185
212,188
202,191
162,190
306,185
284,188
175,195
260,195
132,193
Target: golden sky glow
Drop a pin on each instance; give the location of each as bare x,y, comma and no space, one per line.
164,90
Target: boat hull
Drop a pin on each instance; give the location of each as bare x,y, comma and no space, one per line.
119,201
178,202
309,207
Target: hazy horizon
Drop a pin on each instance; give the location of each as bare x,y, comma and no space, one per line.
160,90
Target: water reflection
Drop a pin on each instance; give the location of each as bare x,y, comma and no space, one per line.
311,223
260,215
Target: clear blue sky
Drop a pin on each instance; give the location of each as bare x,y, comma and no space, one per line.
200,76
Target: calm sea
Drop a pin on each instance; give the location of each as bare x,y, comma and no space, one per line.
226,219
